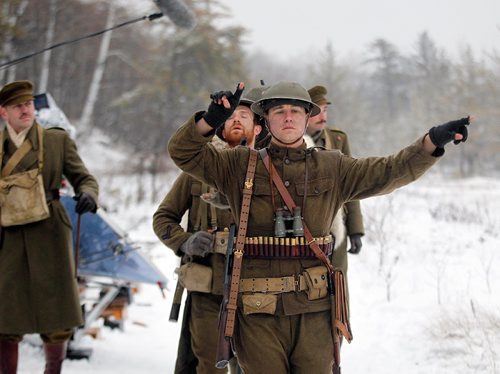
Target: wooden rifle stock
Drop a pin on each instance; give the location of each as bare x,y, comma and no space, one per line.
224,351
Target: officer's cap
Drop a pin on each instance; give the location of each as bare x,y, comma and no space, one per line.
16,92
318,95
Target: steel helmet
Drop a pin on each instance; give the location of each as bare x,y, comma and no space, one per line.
285,93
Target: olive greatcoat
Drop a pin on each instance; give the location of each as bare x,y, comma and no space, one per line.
201,309
332,180
38,288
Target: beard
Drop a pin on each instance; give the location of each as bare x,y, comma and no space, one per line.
234,139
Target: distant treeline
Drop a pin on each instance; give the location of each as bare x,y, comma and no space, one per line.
140,82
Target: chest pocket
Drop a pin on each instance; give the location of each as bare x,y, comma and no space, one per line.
261,187
315,187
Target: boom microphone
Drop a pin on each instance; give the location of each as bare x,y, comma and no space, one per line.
178,13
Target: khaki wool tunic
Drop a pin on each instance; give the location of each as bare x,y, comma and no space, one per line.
185,195
38,288
333,179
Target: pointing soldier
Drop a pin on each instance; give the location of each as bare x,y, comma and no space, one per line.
38,287
285,302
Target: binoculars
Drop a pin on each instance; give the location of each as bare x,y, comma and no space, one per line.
283,220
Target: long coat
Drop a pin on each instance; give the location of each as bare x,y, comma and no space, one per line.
38,288
332,180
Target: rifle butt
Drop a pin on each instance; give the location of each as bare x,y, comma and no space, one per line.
224,352
176,303
174,312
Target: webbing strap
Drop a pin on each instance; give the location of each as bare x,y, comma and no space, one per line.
240,243
21,152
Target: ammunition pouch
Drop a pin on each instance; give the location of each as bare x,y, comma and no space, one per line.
22,198
195,277
317,283
259,303
220,244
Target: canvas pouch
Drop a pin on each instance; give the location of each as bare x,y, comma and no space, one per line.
196,277
22,199
259,303
317,283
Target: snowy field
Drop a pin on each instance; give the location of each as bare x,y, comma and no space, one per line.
424,289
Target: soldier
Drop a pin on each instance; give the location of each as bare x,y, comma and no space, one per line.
203,245
38,287
283,308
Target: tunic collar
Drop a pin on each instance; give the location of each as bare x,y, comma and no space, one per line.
293,154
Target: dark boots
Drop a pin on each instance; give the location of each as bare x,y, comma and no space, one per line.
8,356
55,353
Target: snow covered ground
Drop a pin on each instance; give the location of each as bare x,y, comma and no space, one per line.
424,289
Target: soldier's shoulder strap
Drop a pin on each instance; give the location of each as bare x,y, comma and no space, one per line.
240,242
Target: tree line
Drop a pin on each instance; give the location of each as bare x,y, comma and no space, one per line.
138,83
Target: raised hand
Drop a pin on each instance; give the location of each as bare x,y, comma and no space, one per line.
222,106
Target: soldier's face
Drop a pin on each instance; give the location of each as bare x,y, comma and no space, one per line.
287,124
240,124
19,116
319,121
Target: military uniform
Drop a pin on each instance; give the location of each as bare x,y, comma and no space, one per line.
38,287
201,311
298,329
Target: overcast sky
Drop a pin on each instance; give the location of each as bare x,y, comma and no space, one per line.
289,27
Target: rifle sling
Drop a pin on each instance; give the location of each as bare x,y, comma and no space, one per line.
240,243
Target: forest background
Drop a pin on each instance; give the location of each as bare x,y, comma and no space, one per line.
132,87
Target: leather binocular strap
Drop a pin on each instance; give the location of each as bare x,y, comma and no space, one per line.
240,243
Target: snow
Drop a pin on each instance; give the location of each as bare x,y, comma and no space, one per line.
441,266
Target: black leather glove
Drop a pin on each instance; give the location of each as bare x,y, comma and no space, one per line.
356,243
84,203
445,133
198,244
216,113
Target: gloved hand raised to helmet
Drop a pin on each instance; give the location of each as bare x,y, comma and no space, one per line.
445,133
198,244
222,106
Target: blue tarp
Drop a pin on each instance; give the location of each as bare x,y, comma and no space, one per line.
105,252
